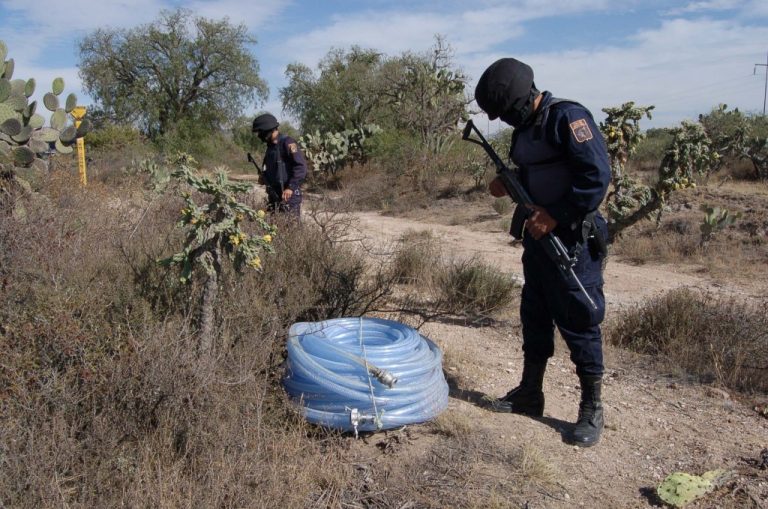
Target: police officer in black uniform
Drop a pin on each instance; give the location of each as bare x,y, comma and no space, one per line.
563,164
284,168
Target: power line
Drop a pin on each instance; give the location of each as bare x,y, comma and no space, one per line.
754,71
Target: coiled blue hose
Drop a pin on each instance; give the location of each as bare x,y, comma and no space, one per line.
364,374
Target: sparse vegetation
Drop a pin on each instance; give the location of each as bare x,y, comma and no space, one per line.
719,340
474,288
416,258
104,398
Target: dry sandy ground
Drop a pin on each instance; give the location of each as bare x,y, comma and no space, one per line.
656,424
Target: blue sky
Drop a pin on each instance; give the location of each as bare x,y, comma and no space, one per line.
685,57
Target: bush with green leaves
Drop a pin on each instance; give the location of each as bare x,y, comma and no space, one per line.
215,230
737,136
24,138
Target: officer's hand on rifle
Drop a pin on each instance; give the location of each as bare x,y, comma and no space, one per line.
496,188
539,223
287,193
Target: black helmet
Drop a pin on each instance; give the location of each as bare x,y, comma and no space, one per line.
264,123
507,87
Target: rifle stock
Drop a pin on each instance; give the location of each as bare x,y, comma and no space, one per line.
552,244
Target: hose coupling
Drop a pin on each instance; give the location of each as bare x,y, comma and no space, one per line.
384,376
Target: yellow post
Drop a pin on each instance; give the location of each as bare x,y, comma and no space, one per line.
78,112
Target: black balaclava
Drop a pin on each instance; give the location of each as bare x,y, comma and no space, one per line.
264,125
506,90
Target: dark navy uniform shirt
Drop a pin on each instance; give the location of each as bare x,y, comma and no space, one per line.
563,160
287,152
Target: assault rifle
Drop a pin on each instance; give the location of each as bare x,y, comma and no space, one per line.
552,245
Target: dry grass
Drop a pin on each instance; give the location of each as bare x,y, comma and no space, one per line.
473,288
719,340
452,425
415,259
105,403
738,252
103,400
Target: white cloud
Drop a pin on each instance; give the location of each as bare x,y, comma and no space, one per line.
683,67
748,9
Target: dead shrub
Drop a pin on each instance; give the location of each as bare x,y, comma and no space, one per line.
502,205
473,288
415,258
721,340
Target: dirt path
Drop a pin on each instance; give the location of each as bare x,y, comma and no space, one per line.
656,425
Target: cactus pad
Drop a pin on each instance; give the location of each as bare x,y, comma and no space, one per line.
59,119
17,101
680,488
29,87
6,112
29,111
37,146
23,135
47,135
51,101
23,156
18,86
3,51
8,69
5,89
68,135
70,103
11,127
58,86
63,149
36,121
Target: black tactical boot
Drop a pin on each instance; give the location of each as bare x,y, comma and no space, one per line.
587,431
527,398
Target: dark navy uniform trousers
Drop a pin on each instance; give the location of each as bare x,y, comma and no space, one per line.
548,300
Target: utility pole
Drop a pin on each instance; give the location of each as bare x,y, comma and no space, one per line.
754,71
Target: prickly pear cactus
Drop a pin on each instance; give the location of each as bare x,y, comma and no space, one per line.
680,489
24,137
328,151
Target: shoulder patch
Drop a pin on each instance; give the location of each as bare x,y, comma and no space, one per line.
292,148
581,130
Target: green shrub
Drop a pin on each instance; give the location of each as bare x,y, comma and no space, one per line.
718,339
651,148
114,137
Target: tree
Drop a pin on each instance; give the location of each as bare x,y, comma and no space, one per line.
343,95
428,94
177,69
